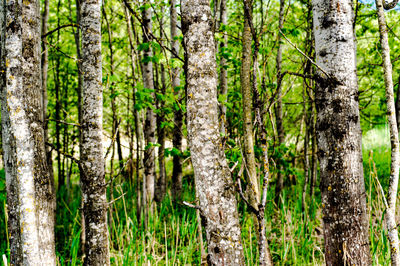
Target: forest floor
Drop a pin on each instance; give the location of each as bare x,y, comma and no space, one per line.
171,235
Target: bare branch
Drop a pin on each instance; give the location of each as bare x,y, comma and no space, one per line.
303,54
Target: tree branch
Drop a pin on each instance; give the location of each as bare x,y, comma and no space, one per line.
59,28
389,5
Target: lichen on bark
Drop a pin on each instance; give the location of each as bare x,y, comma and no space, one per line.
339,135
30,192
213,179
91,148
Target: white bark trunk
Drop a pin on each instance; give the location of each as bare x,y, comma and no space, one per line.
339,135
213,179
29,185
150,123
91,148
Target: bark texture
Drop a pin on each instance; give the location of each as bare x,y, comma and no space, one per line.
32,83
339,136
245,73
150,123
91,148
394,138
178,115
29,187
223,76
213,180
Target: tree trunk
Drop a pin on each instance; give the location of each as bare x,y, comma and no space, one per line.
245,82
77,38
136,114
29,186
150,123
178,115
339,135
213,179
45,67
44,189
223,76
91,147
279,108
394,138
306,143
161,183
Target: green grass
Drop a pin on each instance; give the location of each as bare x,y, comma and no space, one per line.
172,238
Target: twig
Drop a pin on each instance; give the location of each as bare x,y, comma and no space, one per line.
113,139
135,14
191,205
64,122
59,28
233,167
117,174
383,193
306,56
63,153
111,202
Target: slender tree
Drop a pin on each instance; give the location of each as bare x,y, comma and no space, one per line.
91,147
394,137
339,135
245,82
45,67
223,76
178,115
279,108
150,123
213,179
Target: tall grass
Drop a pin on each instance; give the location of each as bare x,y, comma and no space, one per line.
171,236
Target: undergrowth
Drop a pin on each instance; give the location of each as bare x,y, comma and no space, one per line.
170,236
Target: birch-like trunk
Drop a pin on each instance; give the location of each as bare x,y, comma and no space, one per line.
214,184
91,148
339,135
32,83
394,138
29,186
178,115
150,123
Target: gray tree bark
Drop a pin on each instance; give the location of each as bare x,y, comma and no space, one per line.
339,135
394,138
213,179
178,115
91,148
223,76
29,186
150,122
